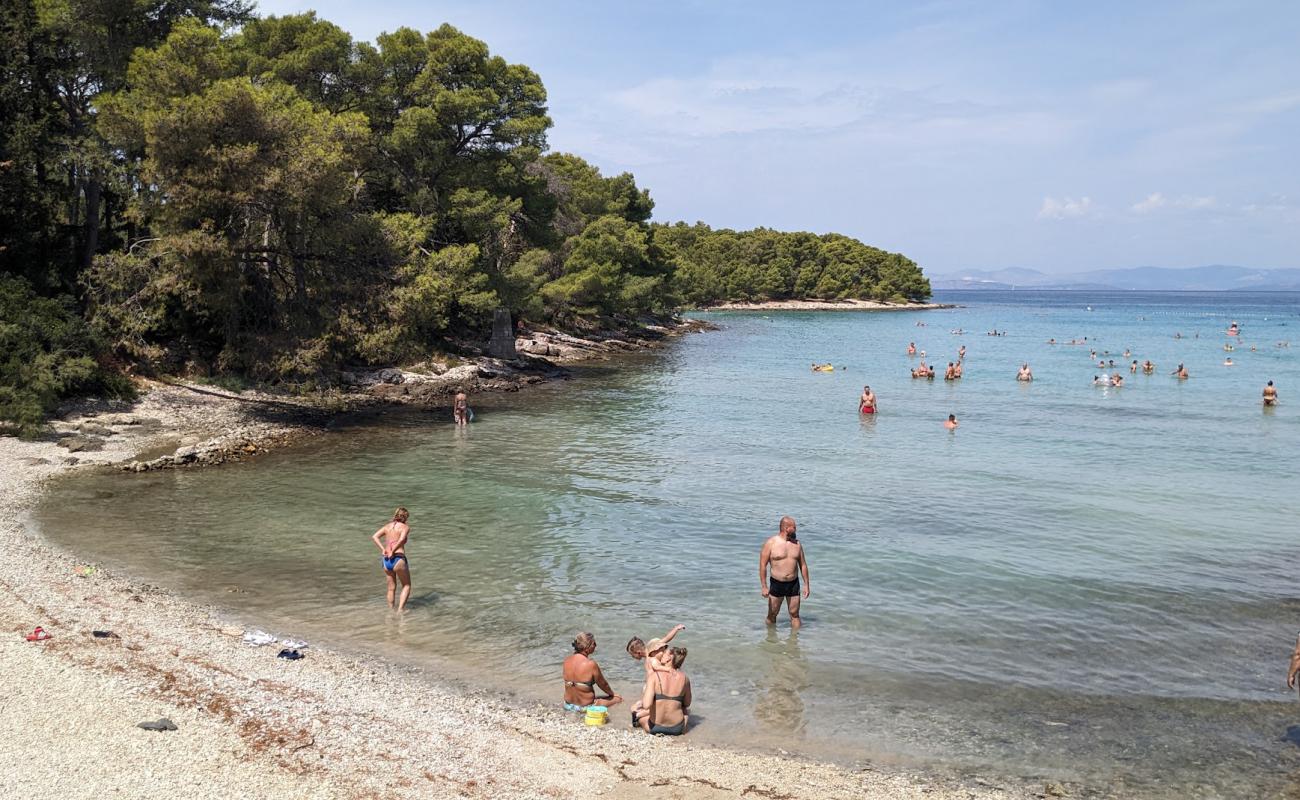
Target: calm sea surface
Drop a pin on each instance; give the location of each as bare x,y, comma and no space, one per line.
1080,583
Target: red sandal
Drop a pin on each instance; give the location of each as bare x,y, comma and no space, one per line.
38,635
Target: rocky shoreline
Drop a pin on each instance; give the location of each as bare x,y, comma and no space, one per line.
332,725
210,426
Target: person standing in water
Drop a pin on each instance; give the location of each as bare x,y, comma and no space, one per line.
1025,373
1270,394
951,422
460,409
911,348
867,402
785,556
1180,373
391,541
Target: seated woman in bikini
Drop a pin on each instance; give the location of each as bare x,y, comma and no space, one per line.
667,697
582,676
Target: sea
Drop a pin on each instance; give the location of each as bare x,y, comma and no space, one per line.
1081,583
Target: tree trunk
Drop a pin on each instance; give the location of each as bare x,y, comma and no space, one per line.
90,228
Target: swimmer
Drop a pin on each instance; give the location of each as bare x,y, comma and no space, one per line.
1148,368
785,557
1270,394
1227,362
1127,352
1053,341
956,370
911,348
950,374
1117,380
460,409
393,548
961,352
1180,373
1133,368
951,422
867,402
1025,374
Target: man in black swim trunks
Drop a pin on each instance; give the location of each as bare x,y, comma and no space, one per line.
786,557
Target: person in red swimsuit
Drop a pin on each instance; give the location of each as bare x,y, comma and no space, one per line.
867,403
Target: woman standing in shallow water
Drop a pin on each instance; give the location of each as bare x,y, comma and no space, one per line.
391,541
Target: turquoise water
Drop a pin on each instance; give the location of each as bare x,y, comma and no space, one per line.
1080,583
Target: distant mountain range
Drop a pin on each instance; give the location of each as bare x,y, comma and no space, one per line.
1215,278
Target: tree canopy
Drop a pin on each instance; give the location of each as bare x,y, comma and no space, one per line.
211,191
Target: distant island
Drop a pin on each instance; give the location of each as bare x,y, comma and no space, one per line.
1212,278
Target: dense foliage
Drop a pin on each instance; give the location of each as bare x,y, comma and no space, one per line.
216,192
717,266
46,354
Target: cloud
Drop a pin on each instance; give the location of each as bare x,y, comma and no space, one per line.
1151,203
1065,208
1271,104
1187,202
833,93
1194,203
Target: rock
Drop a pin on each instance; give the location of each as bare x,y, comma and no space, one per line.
95,429
79,444
183,455
162,724
71,461
33,462
1054,790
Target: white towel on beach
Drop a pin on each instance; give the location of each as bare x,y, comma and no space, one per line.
258,638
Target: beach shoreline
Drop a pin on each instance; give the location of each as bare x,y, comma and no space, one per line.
327,726
826,305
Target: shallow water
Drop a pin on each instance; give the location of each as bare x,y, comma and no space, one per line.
1083,583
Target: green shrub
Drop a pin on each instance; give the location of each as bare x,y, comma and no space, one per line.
47,353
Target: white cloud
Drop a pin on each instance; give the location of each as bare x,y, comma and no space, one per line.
1194,203
1186,202
1151,203
1065,208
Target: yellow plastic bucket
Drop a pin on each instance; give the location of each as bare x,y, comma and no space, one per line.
597,715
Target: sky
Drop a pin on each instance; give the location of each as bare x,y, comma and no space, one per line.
1050,135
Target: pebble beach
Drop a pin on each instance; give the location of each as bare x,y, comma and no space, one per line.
330,725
